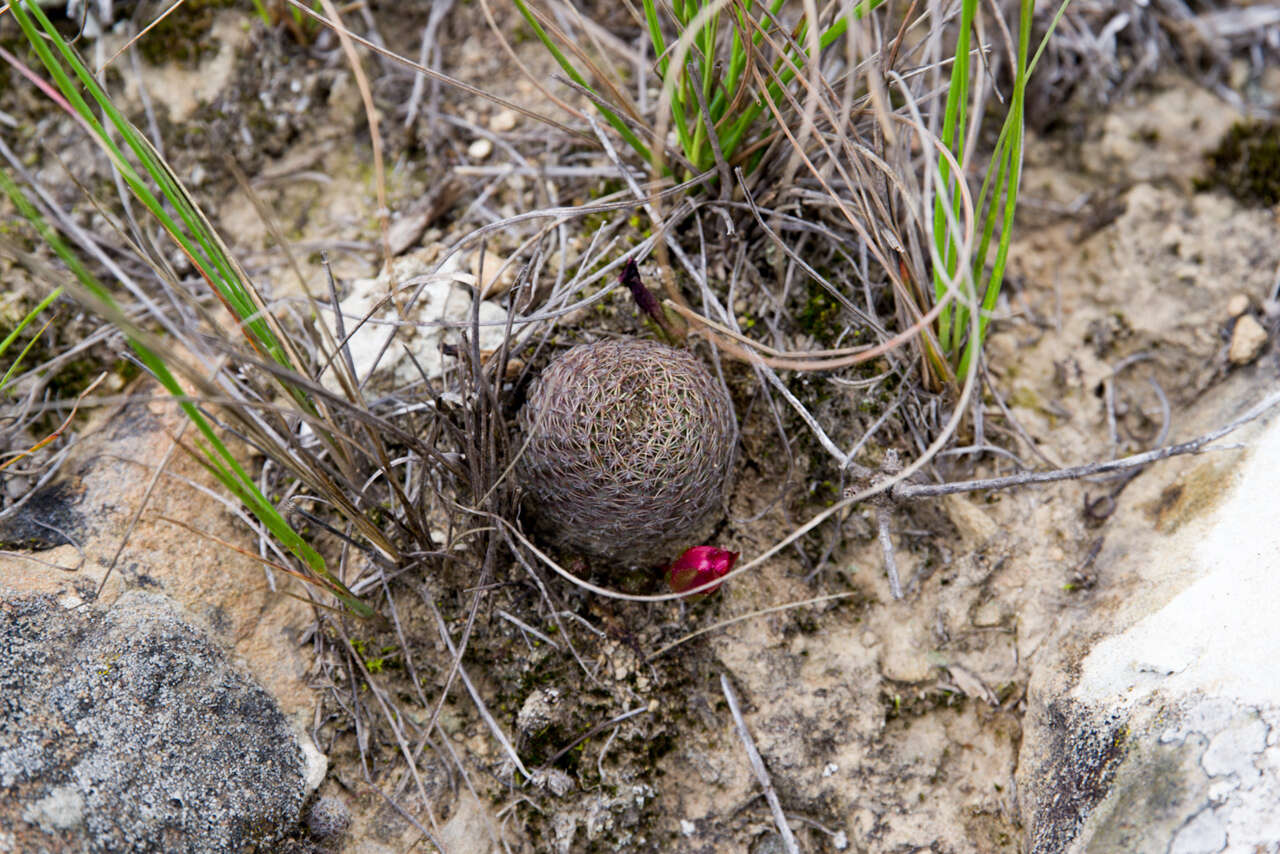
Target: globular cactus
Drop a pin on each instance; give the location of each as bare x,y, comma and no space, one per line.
629,449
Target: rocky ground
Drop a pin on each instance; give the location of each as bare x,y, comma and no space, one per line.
970,716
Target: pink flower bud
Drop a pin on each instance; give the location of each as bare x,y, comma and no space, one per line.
699,565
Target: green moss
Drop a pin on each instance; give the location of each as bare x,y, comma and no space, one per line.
819,317
184,36
1246,164
1024,398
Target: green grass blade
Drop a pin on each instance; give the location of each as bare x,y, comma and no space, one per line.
1012,166
219,458
17,330
664,63
609,116
951,322
786,72
194,238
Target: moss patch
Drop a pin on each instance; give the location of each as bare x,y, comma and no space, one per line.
819,317
1246,164
183,36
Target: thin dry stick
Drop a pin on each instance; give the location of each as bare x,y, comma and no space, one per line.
375,135
757,765
738,619
498,734
883,519
146,497
437,75
1194,446
438,11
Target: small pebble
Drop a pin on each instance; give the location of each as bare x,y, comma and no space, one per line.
503,121
1247,340
1237,305
495,284
480,149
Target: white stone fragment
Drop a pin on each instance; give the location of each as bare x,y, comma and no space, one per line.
315,764
61,809
443,305
1203,834
1219,635
1234,750
503,121
480,149
1247,340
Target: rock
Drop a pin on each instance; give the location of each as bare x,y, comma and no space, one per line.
499,276
480,149
1153,715
442,301
537,712
127,729
503,121
905,655
406,230
1247,340
470,830
974,525
91,505
1237,305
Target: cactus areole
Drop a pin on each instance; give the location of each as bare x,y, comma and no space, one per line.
629,448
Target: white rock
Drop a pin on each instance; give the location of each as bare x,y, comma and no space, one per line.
503,121
480,149
63,808
1234,751
315,763
1204,834
1247,340
1169,688
1238,305
495,283
443,304
1192,645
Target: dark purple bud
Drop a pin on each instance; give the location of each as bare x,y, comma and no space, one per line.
630,276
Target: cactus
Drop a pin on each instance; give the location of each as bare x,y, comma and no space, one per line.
629,449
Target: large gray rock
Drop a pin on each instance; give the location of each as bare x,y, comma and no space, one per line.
125,729
1153,720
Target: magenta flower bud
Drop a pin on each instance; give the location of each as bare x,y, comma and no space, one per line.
699,565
